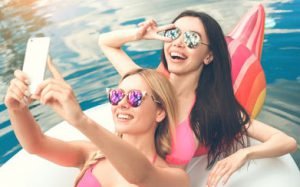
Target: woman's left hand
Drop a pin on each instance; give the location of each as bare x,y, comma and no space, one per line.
150,31
225,167
58,94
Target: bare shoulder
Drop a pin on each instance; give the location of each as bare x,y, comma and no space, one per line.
178,175
170,176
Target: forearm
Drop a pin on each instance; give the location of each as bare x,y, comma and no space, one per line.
129,161
110,44
116,39
278,145
26,129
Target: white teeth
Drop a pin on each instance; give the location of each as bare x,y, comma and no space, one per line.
124,116
177,55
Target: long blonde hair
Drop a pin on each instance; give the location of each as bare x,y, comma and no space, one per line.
163,92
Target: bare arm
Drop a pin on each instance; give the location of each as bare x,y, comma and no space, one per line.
274,143
111,43
122,156
129,161
30,135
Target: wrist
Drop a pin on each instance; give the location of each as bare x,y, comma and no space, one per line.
247,152
80,121
17,110
134,35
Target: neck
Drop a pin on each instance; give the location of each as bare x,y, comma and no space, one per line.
185,84
143,142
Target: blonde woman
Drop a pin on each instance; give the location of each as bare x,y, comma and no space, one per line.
134,158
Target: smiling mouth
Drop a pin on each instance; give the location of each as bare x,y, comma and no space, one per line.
177,56
124,116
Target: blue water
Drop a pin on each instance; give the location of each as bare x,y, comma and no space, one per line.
74,26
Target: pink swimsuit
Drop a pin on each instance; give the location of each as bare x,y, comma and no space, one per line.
184,146
89,179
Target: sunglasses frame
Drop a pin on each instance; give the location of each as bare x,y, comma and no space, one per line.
144,94
185,37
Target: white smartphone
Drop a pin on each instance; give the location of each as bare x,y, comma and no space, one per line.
35,60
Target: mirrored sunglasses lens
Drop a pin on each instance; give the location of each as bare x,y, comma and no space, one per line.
135,98
172,33
191,39
115,96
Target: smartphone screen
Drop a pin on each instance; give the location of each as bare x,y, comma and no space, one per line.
35,60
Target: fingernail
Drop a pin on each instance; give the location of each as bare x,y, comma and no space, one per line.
33,96
27,93
25,101
27,82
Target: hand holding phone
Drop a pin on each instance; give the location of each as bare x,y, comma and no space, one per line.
35,61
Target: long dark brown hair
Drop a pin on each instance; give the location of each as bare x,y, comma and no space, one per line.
217,118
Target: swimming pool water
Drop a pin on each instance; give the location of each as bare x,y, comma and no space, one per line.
74,27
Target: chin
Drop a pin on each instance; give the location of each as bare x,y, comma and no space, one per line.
121,129
175,69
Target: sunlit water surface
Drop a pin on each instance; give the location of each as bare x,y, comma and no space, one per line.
74,25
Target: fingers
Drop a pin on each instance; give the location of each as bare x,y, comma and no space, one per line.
17,92
226,177
53,89
221,172
20,87
215,175
11,96
163,38
166,27
150,22
51,95
49,88
218,176
56,74
149,30
21,76
49,83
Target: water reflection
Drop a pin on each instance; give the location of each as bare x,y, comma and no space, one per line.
281,109
19,21
74,26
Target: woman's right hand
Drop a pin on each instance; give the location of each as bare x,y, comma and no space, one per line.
18,95
149,30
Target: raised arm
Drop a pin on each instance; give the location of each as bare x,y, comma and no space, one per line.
129,161
29,133
111,43
274,143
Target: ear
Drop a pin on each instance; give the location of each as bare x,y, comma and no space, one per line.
209,58
160,115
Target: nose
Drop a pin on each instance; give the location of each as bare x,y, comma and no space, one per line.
178,42
123,103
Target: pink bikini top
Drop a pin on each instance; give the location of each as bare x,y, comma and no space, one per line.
184,145
89,179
